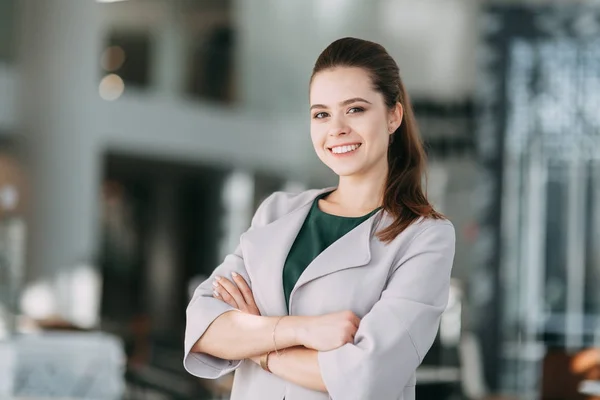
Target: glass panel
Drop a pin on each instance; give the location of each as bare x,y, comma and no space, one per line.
550,206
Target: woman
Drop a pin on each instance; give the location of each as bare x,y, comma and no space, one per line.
339,291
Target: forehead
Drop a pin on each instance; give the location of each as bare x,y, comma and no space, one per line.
331,86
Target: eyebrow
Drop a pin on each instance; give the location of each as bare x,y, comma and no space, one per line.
343,103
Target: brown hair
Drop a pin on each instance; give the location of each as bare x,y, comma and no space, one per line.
403,197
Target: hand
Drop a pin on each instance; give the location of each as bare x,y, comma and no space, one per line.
329,331
237,293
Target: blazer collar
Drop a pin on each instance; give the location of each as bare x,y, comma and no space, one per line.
266,249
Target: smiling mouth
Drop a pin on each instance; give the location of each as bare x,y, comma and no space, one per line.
344,149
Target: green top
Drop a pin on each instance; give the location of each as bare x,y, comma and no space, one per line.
319,231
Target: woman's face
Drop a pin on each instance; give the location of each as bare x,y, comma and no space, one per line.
350,122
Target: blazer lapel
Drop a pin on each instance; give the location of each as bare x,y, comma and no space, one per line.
265,250
350,251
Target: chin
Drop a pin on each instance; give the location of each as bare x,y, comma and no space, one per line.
344,170
343,167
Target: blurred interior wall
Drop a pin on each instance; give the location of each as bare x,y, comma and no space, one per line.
433,42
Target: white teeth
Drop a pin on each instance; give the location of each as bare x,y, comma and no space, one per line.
344,149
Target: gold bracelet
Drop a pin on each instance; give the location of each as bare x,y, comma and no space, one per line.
274,328
264,362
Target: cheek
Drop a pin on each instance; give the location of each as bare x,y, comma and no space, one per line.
317,136
377,136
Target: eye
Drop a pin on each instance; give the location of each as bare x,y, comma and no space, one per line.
355,110
320,115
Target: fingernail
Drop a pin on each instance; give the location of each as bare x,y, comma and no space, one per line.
217,278
216,293
234,274
215,283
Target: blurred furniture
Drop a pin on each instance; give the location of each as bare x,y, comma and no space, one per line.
438,382
590,388
563,374
63,365
7,369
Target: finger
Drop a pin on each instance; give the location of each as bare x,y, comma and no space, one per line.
226,297
352,318
216,294
244,289
222,294
349,339
353,336
232,290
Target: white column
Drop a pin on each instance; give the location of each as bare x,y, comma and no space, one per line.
169,62
58,57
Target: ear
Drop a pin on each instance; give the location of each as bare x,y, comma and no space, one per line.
395,118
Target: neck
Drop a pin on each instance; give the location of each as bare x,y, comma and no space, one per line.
360,193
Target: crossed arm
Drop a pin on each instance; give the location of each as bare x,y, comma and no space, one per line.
293,361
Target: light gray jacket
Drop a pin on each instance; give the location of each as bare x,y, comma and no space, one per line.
399,290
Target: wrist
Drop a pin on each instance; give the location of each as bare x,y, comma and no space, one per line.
293,330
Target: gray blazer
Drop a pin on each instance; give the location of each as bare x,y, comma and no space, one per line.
399,290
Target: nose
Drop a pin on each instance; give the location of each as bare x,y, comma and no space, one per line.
338,127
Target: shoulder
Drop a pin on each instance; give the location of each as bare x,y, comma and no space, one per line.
281,203
425,234
431,226
434,234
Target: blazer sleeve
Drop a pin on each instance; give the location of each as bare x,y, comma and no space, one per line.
203,309
395,335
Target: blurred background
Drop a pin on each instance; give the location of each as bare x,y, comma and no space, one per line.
137,138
